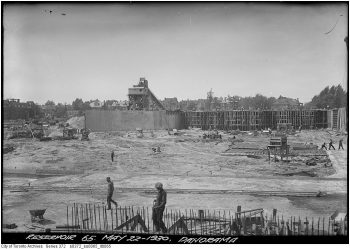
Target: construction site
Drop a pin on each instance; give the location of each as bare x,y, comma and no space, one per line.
239,172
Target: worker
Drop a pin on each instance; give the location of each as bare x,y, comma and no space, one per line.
341,144
324,146
158,208
110,193
331,145
112,156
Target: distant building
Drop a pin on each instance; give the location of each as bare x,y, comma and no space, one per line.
118,105
14,109
284,103
48,110
96,104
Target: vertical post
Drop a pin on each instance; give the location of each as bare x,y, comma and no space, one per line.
219,221
208,218
318,226
90,217
116,216
215,223
106,218
144,215
73,207
126,218
82,216
72,217
195,217
112,218
332,226
192,220
121,217
329,223
67,219
312,226
256,224
171,218
148,220
225,222
186,219
103,218
231,221
87,216
99,215
77,215
323,226
283,227
95,217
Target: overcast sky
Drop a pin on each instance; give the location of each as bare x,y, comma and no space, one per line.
184,50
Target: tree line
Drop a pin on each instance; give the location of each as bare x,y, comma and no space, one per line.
329,98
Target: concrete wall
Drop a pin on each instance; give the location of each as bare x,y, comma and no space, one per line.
107,120
342,119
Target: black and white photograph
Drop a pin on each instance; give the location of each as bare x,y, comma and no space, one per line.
174,122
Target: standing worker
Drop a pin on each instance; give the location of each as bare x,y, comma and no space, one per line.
158,208
341,144
110,193
324,146
331,145
112,155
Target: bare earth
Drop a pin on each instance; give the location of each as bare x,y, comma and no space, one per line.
185,163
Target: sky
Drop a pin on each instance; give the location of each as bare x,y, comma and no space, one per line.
98,51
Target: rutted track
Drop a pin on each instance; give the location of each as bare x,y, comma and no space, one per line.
152,191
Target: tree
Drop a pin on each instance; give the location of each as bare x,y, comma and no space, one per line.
86,105
329,97
60,110
78,104
50,103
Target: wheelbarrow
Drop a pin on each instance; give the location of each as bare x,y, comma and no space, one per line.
37,214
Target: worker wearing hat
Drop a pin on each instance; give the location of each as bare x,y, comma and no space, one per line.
158,208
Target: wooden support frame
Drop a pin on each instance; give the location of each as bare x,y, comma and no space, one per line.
179,224
134,221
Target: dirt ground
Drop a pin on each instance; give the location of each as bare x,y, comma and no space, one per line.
185,162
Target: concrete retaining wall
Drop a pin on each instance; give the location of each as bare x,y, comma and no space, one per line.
106,120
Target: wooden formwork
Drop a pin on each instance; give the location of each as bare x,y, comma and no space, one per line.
289,117
335,118
268,120
307,117
90,217
320,119
246,120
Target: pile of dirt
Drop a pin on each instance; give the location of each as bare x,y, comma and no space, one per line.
7,148
76,122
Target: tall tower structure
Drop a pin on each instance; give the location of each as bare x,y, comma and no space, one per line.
142,98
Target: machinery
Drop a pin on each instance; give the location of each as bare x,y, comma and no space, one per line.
142,98
85,134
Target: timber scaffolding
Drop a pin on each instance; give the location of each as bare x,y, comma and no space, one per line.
95,218
247,120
